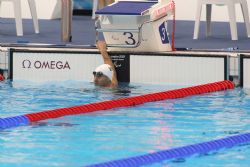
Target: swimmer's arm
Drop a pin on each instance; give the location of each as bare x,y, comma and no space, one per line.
107,60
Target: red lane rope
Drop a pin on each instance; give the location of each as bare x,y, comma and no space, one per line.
131,101
2,77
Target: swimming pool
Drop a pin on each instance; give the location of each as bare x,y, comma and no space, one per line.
119,133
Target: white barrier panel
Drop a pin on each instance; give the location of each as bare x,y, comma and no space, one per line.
177,69
49,66
154,68
245,71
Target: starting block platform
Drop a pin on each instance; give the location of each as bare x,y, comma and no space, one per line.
136,25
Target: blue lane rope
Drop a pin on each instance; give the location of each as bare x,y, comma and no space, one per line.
178,152
13,121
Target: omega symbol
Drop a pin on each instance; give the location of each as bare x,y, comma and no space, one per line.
26,64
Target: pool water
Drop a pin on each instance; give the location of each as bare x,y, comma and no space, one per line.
119,133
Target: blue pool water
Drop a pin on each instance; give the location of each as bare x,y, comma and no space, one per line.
119,133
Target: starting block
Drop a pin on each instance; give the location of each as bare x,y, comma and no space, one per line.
136,25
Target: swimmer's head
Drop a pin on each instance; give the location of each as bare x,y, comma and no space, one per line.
103,75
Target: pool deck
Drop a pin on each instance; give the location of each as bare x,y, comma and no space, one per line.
83,33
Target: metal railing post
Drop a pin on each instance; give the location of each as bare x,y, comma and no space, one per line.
66,20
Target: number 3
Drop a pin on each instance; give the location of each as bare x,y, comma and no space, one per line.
132,42
163,34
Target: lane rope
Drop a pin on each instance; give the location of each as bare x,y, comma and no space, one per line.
122,102
179,152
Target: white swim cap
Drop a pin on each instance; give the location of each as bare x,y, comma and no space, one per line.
106,70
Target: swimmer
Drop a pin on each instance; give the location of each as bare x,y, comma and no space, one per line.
105,74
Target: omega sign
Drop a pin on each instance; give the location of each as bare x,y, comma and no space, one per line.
50,64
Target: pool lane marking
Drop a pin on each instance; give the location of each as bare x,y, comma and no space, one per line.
26,119
178,152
